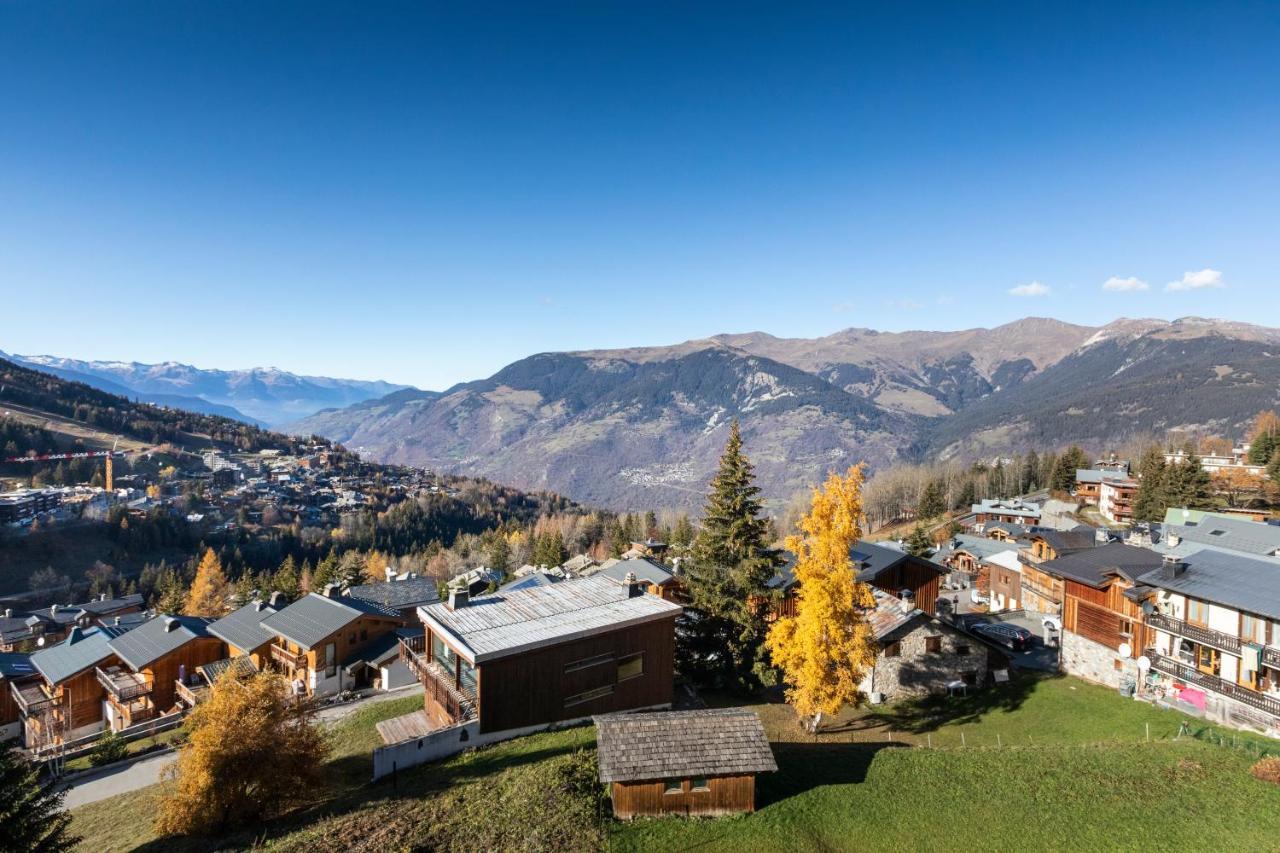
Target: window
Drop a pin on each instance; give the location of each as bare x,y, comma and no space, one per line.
1253,629
969,677
1197,612
364,634
892,650
1126,628
631,666
700,783
574,666
962,649
933,645
1117,664
673,786
331,660
589,695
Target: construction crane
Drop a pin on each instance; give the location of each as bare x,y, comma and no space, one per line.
107,455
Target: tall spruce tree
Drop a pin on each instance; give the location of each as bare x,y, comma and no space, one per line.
932,504
1187,484
31,815
1151,501
727,577
1064,471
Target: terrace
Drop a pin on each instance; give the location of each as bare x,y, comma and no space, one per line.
31,698
459,702
1190,675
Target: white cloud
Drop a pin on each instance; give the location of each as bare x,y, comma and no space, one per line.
904,304
1125,284
1034,288
1197,280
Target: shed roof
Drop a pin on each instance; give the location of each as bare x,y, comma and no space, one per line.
158,637
312,618
81,649
243,627
493,626
15,665
675,744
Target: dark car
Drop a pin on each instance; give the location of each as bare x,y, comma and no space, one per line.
1011,636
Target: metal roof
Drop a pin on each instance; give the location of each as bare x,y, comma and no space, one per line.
410,592
679,744
15,665
493,626
149,642
530,581
81,649
1234,580
243,628
312,618
1236,534
1093,566
646,570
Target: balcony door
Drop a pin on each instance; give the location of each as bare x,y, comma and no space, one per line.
1209,661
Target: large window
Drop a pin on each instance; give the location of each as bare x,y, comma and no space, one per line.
587,663
589,695
442,654
1197,612
1253,629
631,666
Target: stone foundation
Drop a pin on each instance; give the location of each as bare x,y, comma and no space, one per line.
1094,661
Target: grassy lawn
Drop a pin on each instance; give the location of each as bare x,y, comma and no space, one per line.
81,762
1072,768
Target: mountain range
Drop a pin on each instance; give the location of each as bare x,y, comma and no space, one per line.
261,396
643,427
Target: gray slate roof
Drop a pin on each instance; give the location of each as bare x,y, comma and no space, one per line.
243,628
157,638
312,618
79,651
646,570
493,626
680,744
1093,566
1233,580
1250,537
410,592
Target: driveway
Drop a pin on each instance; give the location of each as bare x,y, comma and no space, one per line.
1039,656
121,779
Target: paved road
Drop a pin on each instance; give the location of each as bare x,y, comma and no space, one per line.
147,771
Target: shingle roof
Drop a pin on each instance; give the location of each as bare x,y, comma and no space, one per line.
680,744
1093,566
158,637
312,618
646,570
243,628
79,651
1234,580
410,592
504,623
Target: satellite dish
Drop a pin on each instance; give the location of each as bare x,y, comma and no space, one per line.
1125,650
40,642
1144,663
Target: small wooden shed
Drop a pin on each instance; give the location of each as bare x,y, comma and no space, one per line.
682,762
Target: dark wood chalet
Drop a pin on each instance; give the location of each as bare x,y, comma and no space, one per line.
66,701
913,579
690,763
153,659
542,655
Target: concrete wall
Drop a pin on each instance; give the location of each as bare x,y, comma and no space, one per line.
396,674
10,731
1094,661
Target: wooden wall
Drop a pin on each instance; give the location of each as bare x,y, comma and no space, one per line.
1096,614
530,689
725,795
923,578
8,705
81,695
359,633
164,671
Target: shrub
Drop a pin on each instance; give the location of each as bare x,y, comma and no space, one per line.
109,748
1267,769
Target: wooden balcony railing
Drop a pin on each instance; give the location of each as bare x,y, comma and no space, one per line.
125,686
1205,636
31,698
1189,674
191,694
460,705
281,655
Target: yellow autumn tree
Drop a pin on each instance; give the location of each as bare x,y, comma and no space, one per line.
375,567
209,591
249,756
827,647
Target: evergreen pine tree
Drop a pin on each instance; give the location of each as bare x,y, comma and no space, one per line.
727,578
1151,500
931,503
918,544
1030,473
1064,471
682,534
285,580
31,815
968,496
1187,484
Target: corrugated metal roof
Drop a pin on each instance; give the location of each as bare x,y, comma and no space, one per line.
1233,580
312,618
243,628
158,637
410,592
81,649
503,623
681,744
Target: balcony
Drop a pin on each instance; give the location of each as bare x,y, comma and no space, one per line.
1190,675
437,683
124,686
31,698
284,657
1204,636
191,694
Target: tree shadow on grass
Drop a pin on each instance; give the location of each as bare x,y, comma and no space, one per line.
930,713
803,766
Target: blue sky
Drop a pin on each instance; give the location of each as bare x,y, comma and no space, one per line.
425,193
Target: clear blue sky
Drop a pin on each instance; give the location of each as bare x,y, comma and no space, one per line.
383,190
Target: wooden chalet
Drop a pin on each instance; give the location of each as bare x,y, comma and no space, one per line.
15,668
1042,591
1101,613
883,567
511,660
25,631
242,631
66,701
690,763
319,635
657,579
1011,511
152,660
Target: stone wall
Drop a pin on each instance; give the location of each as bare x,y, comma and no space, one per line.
915,672
1095,662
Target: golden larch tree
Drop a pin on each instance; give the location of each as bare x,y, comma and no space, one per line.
250,755
209,591
827,647
375,567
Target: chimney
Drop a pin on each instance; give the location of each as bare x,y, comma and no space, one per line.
331,590
117,621
8,612
1174,540
53,609
1101,536
634,587
1171,567
459,596
170,624
102,597
389,573
276,600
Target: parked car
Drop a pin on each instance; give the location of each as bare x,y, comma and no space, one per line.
1011,636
